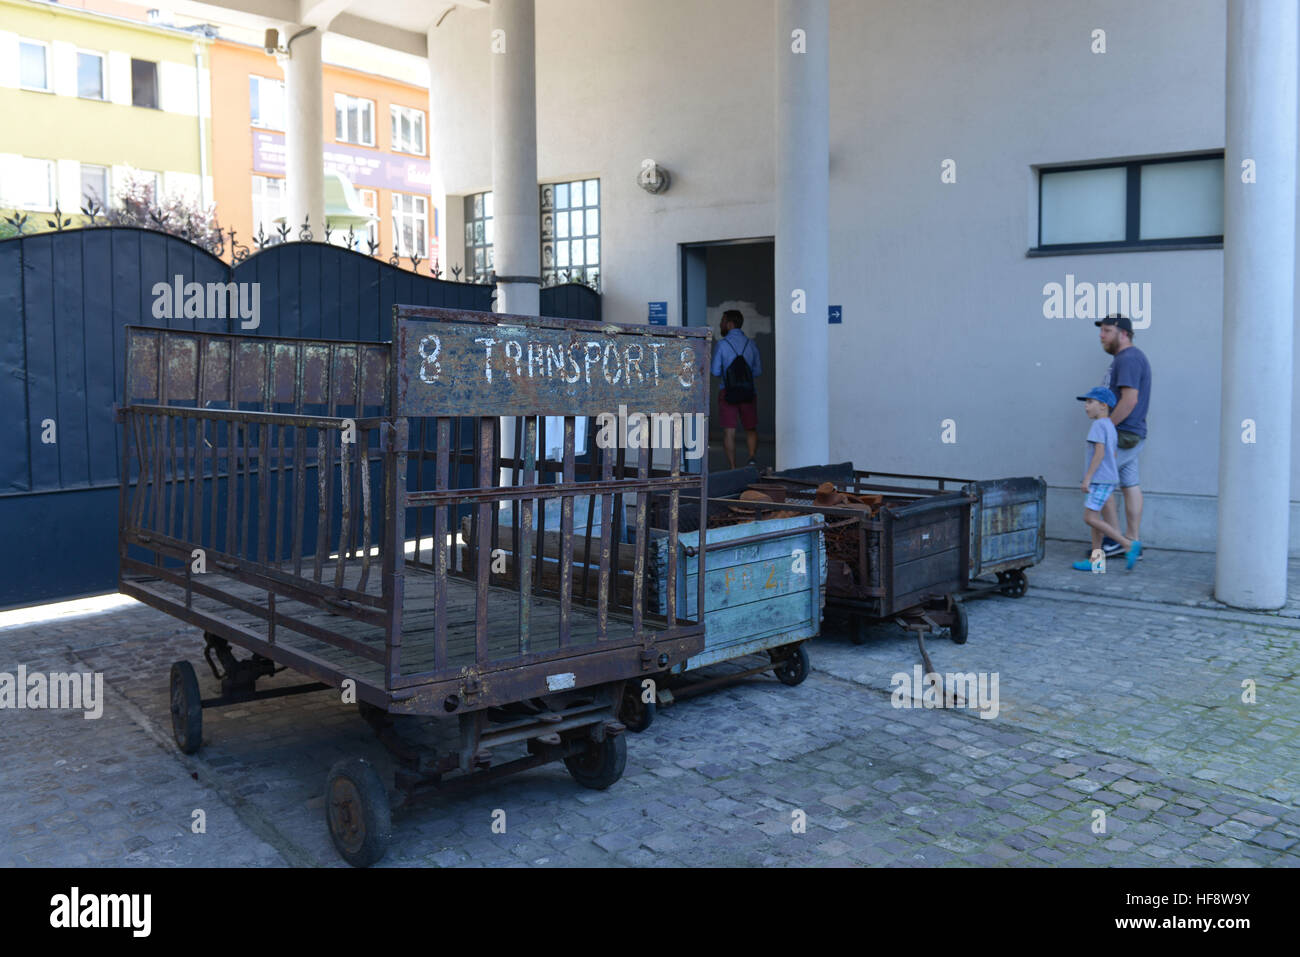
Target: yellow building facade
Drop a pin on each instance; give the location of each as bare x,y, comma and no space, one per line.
91,100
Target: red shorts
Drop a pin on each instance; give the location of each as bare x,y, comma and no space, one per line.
735,416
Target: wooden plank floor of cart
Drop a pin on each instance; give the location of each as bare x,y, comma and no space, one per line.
417,622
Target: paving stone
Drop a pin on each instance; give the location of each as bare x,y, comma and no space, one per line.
1183,784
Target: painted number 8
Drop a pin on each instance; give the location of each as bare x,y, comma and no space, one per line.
430,359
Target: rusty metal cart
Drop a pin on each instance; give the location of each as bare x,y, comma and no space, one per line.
272,491
905,559
1008,529
764,591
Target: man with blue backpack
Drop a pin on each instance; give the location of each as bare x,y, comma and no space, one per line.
736,363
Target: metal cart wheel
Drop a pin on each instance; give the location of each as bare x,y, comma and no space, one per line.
186,708
794,669
636,713
1014,583
357,809
601,764
960,626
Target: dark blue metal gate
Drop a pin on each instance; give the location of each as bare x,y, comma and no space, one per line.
64,300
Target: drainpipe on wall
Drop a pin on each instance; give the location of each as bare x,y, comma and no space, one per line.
203,143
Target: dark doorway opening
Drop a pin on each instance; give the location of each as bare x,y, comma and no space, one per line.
736,274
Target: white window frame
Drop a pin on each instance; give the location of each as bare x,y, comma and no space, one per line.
396,114
104,200
372,231
156,179
260,122
399,216
103,75
259,198
344,102
28,163
49,65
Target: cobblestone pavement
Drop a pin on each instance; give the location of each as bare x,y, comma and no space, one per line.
1120,694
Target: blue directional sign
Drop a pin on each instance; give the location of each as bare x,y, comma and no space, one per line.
835,315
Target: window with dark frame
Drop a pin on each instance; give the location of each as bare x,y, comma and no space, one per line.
569,239
570,232
1141,204
478,236
144,83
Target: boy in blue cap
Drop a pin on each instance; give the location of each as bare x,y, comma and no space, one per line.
1101,474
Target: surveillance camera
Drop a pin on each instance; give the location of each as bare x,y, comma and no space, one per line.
271,41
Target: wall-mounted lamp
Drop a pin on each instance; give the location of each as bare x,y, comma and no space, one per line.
653,178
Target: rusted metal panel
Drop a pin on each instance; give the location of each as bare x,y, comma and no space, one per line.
251,370
203,368
883,558
519,367
1012,521
315,373
180,360
142,365
215,371
284,385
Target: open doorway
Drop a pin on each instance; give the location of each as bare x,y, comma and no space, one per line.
736,274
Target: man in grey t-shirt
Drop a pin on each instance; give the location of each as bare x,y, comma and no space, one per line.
1129,378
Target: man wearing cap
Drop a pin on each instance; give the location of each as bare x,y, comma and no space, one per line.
1129,379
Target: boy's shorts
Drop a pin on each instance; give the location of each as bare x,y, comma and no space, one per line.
1098,492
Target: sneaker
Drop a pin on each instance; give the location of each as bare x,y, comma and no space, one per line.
1134,553
753,462
1111,547
1082,566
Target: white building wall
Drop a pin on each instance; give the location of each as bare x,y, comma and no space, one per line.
943,309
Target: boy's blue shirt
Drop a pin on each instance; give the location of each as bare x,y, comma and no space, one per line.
1103,431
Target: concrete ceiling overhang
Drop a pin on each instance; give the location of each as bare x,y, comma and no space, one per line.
401,25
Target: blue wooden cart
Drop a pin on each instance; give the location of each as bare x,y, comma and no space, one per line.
764,593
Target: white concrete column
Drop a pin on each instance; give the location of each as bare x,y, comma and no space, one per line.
802,193
1259,248
514,156
304,151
